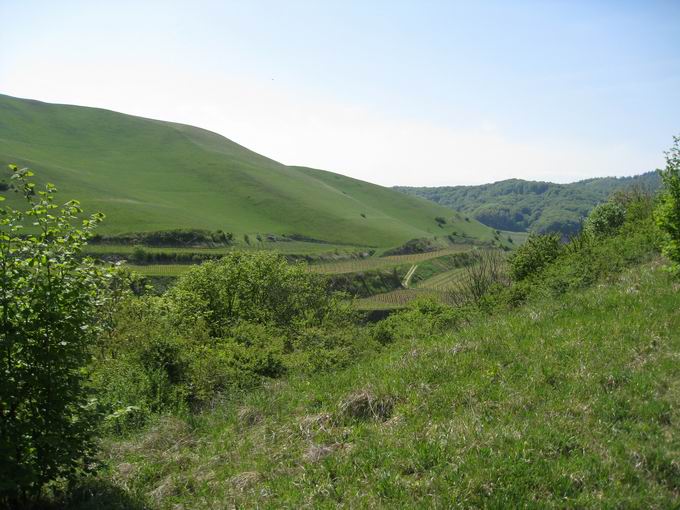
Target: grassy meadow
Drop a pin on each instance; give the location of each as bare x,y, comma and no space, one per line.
568,402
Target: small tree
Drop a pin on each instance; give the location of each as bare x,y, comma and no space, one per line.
49,296
534,255
667,213
260,287
605,219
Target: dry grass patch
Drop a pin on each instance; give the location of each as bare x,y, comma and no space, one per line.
366,405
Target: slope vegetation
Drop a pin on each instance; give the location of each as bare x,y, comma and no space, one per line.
149,175
520,205
569,403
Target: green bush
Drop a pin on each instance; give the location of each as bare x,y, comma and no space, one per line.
588,258
50,297
534,255
667,214
177,237
316,349
605,219
260,287
420,319
224,326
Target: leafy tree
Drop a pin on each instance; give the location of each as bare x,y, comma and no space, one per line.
667,213
49,298
259,287
605,219
534,255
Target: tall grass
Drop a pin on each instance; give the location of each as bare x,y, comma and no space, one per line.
561,403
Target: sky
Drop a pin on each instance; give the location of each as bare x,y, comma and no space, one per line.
392,92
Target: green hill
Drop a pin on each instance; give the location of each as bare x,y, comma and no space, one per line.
521,205
149,175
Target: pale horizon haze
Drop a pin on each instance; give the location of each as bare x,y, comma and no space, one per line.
397,93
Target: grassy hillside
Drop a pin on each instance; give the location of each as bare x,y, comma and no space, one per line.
150,175
571,402
521,205
552,383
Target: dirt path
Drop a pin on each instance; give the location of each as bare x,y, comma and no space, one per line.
409,275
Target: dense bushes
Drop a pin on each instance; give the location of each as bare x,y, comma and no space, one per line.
258,287
141,256
605,219
536,253
621,233
49,302
177,237
412,246
224,326
420,319
667,214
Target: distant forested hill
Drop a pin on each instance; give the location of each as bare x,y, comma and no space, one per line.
536,206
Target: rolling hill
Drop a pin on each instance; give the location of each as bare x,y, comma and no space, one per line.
520,205
149,175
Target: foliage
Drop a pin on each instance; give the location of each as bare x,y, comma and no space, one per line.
539,207
605,219
49,302
667,214
224,327
536,253
260,287
566,402
175,237
412,246
420,318
587,258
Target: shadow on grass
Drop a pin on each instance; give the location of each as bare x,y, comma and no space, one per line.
91,494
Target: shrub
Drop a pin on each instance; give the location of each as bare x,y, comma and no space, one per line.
317,349
224,326
421,245
486,273
139,255
176,237
421,318
534,255
588,258
667,213
260,287
49,301
605,219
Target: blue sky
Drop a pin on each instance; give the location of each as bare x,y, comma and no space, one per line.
419,93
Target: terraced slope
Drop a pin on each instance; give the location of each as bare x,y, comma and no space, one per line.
151,175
